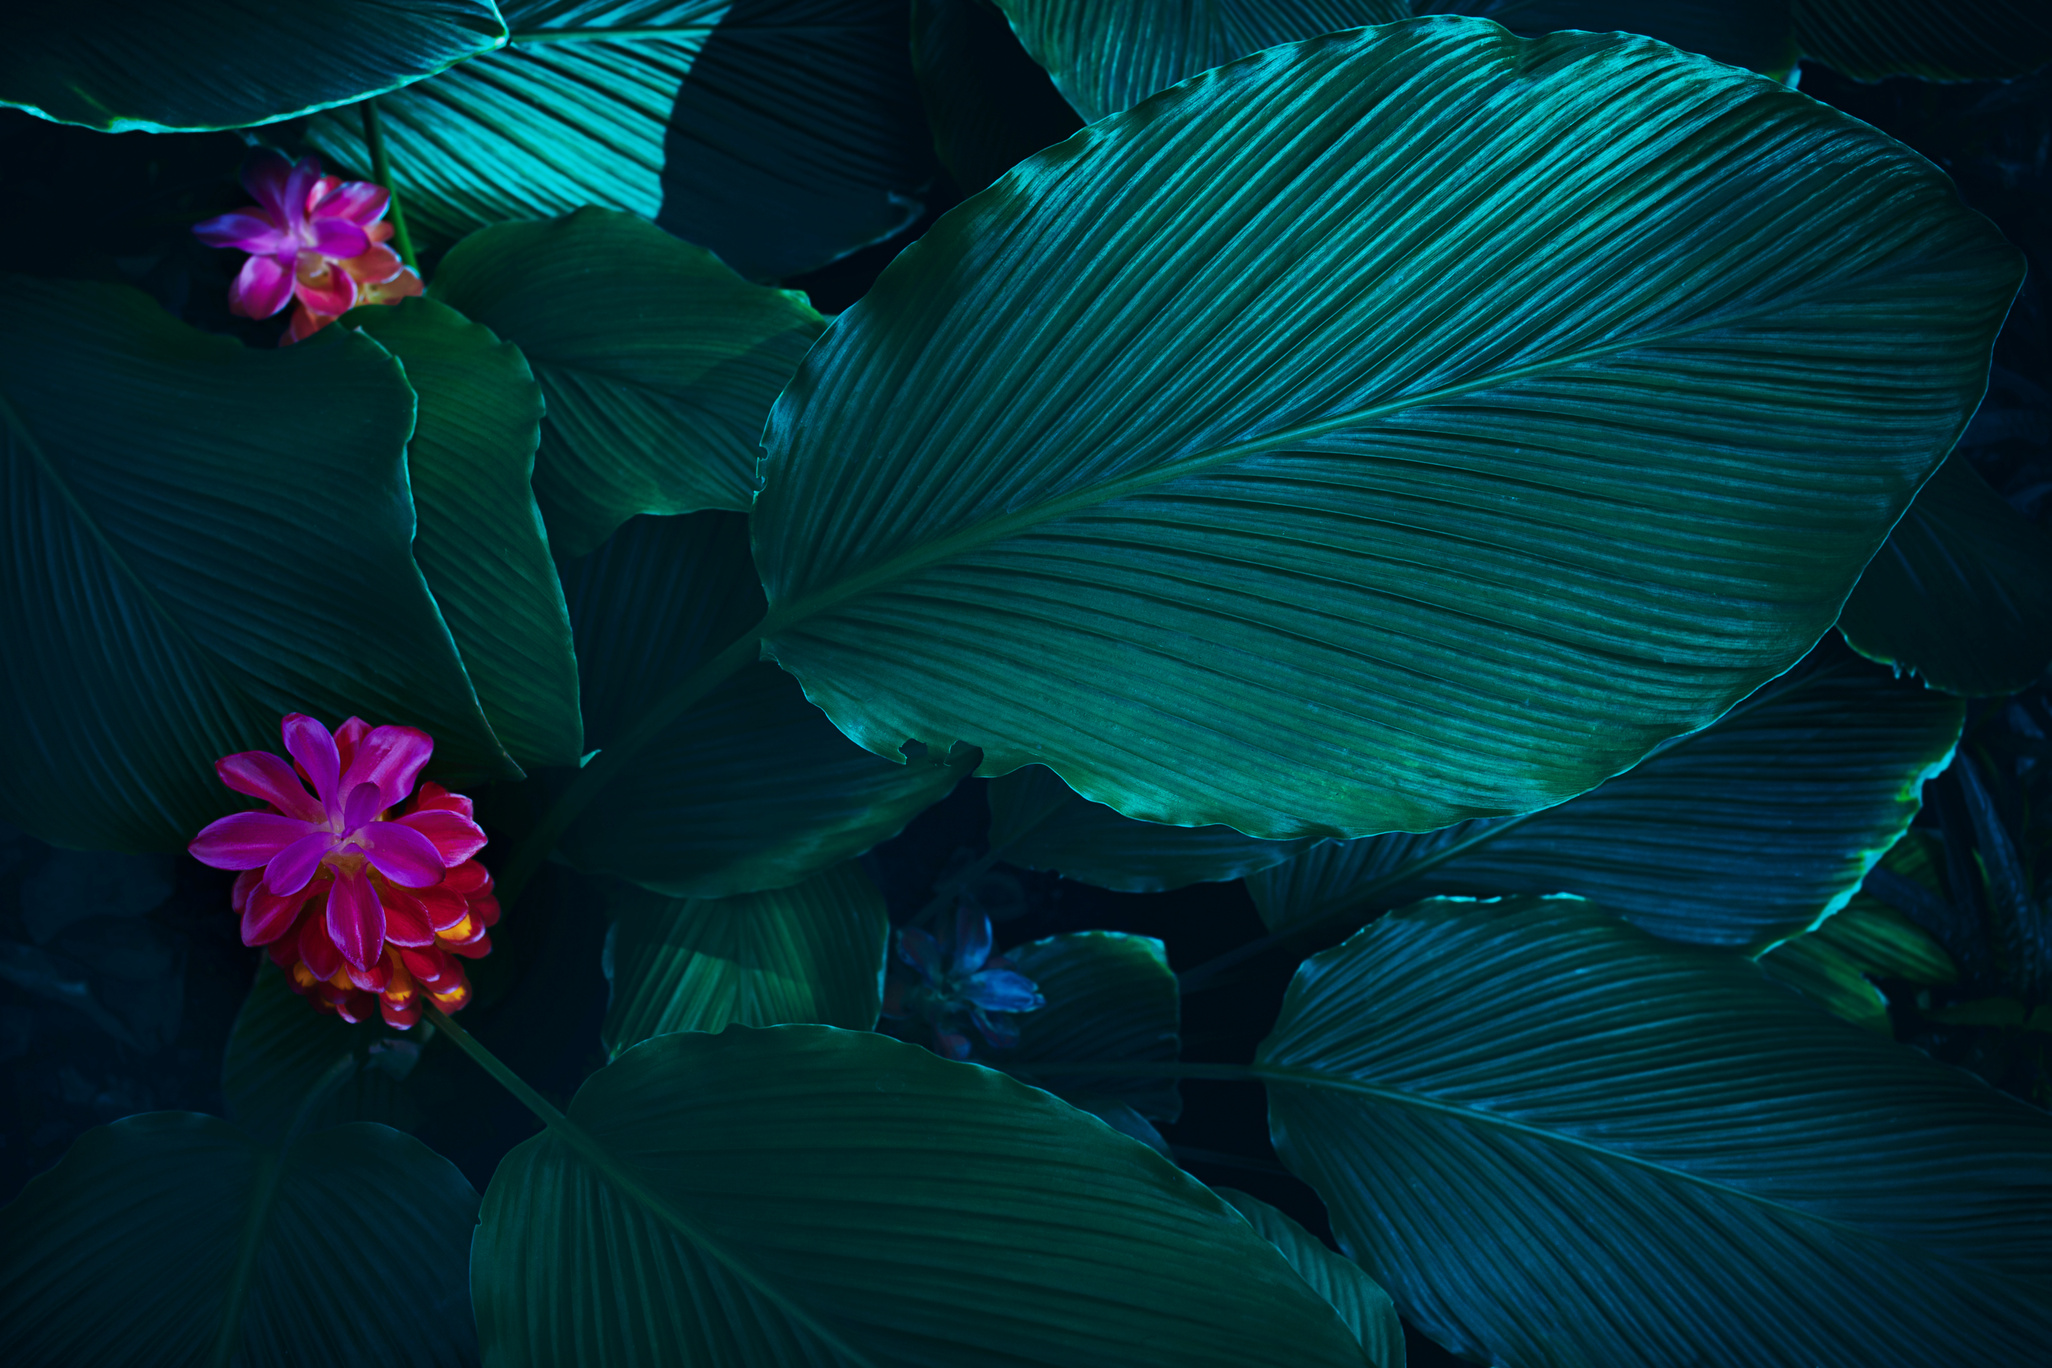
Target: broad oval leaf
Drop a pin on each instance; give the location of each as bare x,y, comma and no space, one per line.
172,1237
141,66
207,537
1366,1308
1743,834
807,1195
481,543
1041,823
1716,1170
813,952
1199,463
780,134
1936,40
1961,593
659,364
1111,999
752,788
1747,33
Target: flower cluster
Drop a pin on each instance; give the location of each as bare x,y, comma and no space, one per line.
960,979
318,238
365,891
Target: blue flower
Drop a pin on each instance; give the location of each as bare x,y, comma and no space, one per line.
960,978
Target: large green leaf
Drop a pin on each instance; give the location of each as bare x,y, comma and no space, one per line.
1309,454
987,102
1039,822
203,537
813,952
481,543
1365,1308
659,363
173,1238
1558,1141
140,65
779,133
1111,999
289,1067
808,1195
1745,833
1748,33
750,789
1962,592
1945,40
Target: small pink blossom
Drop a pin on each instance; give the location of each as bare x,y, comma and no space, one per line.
319,238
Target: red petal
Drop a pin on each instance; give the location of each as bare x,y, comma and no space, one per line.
348,737
406,920
244,840
269,917
360,202
432,966
374,266
486,910
263,775
433,796
356,919
454,836
469,878
238,896
400,1016
476,949
322,290
371,980
317,951
453,999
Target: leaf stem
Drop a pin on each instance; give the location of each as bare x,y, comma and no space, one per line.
507,1079
381,172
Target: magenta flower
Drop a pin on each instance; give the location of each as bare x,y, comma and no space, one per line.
309,235
958,978
342,831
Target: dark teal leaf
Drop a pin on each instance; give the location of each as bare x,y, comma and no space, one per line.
1193,462
988,103
481,543
72,886
137,65
1037,821
779,133
659,364
1745,833
1748,33
1112,999
1836,980
204,538
803,1195
1716,1171
1365,1308
290,1068
173,1238
813,952
1945,40
751,788
1962,592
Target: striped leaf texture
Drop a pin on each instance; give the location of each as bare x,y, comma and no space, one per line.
1365,1308
811,952
750,789
1403,426
1945,40
125,66
1747,33
781,134
658,363
1715,1170
194,586
802,1195
1742,834
172,1237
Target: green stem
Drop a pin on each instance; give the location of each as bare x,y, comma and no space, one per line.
510,1081
381,172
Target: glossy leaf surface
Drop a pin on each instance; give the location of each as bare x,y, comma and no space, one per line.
1365,1308
1962,592
658,363
807,1195
813,952
752,787
1111,998
780,134
1742,834
172,1237
137,66
1749,33
480,542
1718,1171
1950,40
1191,461
209,537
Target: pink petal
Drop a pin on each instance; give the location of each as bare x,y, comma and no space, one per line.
305,323
339,238
260,289
362,807
322,289
308,742
361,202
292,868
348,737
244,840
391,758
298,191
252,232
443,907
356,919
401,854
263,775
265,175
406,921
267,916
317,949
455,836
374,267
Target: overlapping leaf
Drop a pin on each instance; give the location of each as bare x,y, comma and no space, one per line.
752,788
1402,426
201,538
1962,592
1111,999
1949,40
1717,1171
1748,33
779,133
1365,1308
171,1237
813,952
140,66
1742,834
289,1068
807,1195
988,103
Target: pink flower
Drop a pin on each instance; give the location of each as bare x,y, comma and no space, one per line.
361,899
317,237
